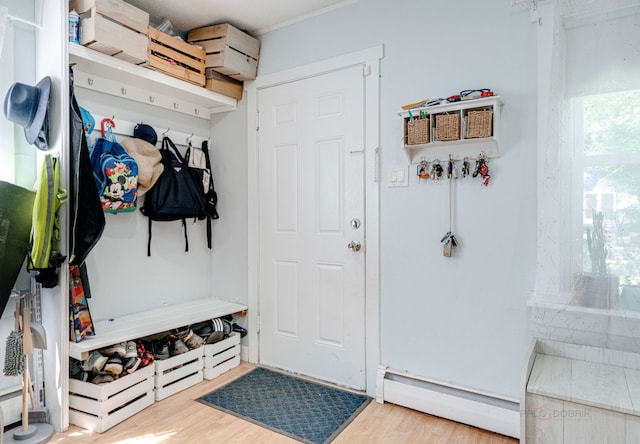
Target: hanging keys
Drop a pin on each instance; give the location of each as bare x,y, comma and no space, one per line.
465,167
449,241
423,169
482,169
452,169
436,170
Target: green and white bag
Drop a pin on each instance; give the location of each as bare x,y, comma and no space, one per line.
45,256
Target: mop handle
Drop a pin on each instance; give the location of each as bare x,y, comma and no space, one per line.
26,380
16,315
27,349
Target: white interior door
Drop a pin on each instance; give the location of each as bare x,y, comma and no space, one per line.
311,194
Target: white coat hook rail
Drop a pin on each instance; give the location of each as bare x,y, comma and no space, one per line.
124,128
136,93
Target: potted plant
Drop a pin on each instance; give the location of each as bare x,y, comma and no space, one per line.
597,288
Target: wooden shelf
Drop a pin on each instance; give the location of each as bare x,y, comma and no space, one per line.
140,325
99,72
462,148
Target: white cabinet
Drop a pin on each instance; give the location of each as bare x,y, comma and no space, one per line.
461,129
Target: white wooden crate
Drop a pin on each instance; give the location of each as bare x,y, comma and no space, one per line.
99,407
178,373
221,356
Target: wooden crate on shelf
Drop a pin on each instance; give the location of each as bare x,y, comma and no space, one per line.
229,51
224,84
99,407
178,373
113,27
221,356
176,58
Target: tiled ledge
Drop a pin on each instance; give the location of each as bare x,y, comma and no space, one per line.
592,376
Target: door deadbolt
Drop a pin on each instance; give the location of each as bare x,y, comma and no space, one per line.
355,223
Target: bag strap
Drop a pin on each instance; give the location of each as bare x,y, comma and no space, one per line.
168,145
205,150
186,238
149,239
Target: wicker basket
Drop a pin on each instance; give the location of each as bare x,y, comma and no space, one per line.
479,124
417,131
448,127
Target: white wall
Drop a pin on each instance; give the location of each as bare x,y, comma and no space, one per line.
229,164
123,278
464,319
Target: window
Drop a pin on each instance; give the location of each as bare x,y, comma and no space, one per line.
606,174
589,168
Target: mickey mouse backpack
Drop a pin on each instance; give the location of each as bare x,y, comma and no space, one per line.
115,172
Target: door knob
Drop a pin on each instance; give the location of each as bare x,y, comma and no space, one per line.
355,246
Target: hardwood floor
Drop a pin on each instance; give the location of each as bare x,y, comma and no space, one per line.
180,419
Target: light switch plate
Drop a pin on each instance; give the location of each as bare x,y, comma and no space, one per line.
398,176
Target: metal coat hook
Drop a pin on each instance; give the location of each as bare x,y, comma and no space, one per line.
165,133
107,123
189,139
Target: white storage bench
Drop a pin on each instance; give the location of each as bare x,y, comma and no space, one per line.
221,356
99,407
579,394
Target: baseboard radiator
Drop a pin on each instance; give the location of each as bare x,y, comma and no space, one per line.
458,404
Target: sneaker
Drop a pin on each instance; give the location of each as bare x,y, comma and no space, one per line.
95,362
218,331
228,328
161,348
192,340
102,378
114,365
235,326
132,350
116,350
177,347
203,329
214,337
180,332
76,371
132,364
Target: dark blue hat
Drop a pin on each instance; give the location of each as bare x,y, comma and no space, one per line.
145,132
27,106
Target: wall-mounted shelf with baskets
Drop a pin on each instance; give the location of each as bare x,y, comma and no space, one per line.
461,129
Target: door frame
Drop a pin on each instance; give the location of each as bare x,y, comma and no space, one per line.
370,61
